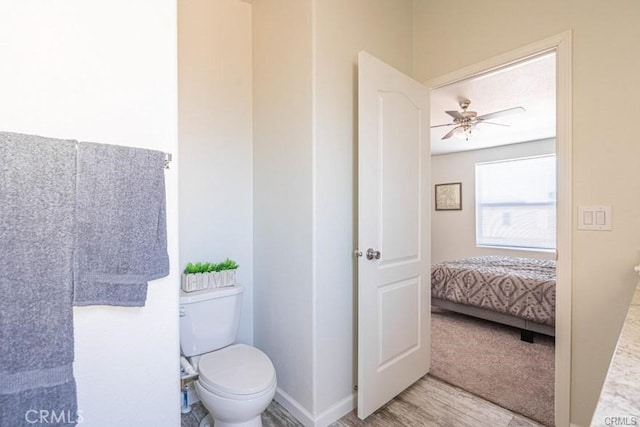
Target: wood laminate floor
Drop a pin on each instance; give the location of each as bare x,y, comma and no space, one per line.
427,403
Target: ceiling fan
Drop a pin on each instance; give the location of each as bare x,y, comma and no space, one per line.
466,121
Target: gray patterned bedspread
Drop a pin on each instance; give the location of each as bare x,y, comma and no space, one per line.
521,287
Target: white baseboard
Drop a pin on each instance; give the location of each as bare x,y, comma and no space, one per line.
294,408
337,411
307,419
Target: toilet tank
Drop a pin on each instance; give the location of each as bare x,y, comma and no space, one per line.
209,319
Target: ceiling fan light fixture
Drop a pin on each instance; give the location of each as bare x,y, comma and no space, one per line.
465,121
464,132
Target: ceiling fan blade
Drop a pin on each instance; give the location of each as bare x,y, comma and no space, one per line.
450,133
502,113
439,126
455,114
492,123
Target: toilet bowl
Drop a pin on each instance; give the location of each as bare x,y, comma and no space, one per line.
236,384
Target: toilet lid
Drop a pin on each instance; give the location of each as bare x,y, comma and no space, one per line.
237,369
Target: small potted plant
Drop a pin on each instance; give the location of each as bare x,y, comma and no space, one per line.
195,277
199,276
227,269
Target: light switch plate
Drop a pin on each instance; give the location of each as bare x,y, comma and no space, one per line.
596,217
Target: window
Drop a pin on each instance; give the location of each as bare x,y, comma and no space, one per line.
516,203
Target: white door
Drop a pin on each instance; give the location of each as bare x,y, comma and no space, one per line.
394,291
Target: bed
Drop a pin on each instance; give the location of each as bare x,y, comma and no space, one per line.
519,292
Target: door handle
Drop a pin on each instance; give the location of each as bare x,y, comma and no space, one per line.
371,254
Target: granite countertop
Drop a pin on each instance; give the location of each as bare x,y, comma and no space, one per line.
619,403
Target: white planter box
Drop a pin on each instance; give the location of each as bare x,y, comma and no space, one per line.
216,279
195,282
228,277
201,281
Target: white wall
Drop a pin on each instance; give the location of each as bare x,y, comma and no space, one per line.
215,132
283,241
453,233
105,71
304,188
605,151
342,29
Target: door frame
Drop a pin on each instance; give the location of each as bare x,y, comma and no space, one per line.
561,44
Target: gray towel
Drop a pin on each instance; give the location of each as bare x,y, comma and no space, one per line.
121,224
37,199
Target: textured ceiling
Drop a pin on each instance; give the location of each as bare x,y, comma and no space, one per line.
529,84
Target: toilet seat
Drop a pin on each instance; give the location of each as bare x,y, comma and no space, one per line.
238,371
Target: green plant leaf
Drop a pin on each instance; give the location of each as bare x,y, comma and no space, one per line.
191,268
228,264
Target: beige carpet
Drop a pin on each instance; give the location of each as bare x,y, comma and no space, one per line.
490,361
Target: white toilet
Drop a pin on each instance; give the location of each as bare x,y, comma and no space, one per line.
236,382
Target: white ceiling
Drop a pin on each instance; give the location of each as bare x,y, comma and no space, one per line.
529,84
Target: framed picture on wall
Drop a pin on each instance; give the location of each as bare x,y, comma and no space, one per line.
449,196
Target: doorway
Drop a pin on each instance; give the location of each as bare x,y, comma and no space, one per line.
561,46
